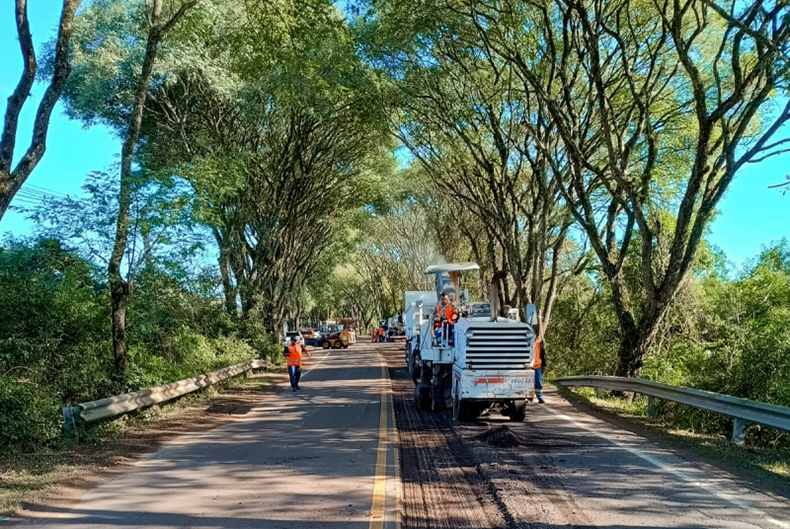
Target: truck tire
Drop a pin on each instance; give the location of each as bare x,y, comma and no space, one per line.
519,410
325,344
422,397
337,345
415,368
456,408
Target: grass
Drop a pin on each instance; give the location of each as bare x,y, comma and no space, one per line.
32,477
770,466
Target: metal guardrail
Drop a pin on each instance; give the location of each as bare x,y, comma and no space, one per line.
112,406
742,410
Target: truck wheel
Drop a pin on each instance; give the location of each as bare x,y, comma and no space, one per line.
519,410
345,346
416,368
325,344
422,397
337,345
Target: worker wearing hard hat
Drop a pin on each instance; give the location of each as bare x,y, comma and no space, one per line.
444,312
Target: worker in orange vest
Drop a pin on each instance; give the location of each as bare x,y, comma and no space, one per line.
539,364
381,333
445,311
373,335
293,351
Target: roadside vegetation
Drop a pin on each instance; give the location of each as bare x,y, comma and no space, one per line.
286,162
60,471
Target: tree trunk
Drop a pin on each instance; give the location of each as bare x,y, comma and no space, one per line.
120,287
11,180
224,265
119,293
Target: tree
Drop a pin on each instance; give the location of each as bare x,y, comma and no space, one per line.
469,121
104,24
658,105
12,177
280,155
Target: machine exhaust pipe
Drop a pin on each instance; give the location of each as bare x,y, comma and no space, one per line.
494,299
494,294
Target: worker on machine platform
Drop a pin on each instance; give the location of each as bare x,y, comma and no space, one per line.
445,312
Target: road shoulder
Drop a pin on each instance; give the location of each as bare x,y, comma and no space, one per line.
58,478
718,453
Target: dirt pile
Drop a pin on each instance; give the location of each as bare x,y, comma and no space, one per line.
501,437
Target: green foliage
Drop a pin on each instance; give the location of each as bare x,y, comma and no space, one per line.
29,412
55,345
723,334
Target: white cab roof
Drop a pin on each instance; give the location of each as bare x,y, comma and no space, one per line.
451,267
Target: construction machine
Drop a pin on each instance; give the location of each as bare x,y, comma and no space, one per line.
341,333
418,306
480,360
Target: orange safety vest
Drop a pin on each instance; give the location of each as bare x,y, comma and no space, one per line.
294,355
448,312
537,362
381,331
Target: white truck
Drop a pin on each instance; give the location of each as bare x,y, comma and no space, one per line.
483,360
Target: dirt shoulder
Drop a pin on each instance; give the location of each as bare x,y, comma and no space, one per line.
59,477
764,469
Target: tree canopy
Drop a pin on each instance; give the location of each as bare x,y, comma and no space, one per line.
287,162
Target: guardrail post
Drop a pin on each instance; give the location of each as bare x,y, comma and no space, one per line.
651,407
71,414
599,392
738,425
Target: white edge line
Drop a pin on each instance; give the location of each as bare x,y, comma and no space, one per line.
318,364
707,486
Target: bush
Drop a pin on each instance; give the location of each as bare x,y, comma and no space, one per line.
55,331
30,414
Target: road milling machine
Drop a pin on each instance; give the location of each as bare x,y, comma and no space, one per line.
478,358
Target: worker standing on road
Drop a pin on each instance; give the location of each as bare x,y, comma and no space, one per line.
539,364
381,333
293,351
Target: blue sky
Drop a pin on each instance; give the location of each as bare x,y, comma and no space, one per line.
750,216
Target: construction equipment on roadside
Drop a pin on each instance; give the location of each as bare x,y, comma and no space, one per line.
341,334
396,328
481,360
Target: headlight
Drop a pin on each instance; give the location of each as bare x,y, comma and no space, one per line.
469,333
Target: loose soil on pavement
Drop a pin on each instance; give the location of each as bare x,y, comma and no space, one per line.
492,473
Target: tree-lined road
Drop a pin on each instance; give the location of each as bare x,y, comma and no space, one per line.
305,460
321,458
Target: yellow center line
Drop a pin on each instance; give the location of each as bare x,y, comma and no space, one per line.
380,479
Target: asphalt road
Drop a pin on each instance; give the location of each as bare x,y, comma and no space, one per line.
316,459
559,468
326,458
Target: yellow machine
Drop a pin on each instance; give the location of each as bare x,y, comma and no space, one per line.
342,334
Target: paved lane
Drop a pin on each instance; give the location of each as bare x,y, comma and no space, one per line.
560,468
301,460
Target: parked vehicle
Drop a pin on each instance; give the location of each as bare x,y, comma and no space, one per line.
312,337
289,334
